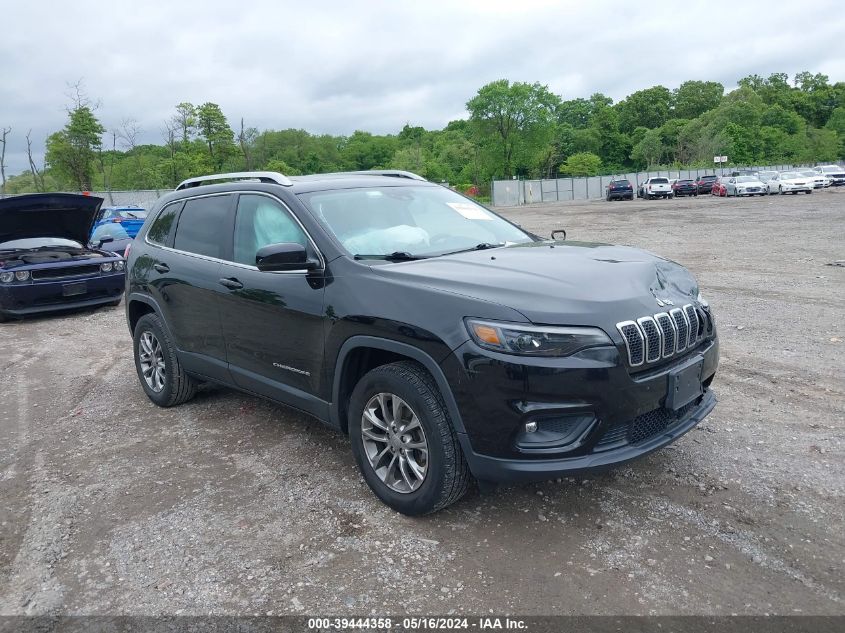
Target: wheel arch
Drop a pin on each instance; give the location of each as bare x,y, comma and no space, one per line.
360,354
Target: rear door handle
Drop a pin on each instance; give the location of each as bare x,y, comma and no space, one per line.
231,283
162,268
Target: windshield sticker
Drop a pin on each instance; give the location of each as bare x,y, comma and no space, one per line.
470,211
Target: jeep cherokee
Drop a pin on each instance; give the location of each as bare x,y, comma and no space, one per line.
445,341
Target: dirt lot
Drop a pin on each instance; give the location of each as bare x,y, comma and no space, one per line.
233,505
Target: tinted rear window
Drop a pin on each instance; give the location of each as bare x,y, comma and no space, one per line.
660,181
199,229
685,182
620,182
160,230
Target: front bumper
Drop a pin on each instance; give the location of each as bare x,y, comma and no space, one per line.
37,297
616,415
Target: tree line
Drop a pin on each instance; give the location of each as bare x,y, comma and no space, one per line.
512,129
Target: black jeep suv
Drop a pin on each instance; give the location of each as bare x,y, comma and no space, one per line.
444,340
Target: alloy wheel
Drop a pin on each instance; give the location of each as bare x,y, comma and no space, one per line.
151,360
394,442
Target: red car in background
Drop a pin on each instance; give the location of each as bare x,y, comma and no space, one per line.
719,186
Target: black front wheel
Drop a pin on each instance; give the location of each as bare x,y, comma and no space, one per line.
403,440
161,374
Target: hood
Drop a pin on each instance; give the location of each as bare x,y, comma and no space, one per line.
565,283
65,215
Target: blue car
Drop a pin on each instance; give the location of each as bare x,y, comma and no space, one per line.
46,263
130,218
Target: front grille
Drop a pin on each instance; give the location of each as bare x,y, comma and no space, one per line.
65,271
652,338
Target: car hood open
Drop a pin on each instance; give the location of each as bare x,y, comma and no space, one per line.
576,280
67,215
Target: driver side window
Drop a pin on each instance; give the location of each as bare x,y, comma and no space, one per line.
261,221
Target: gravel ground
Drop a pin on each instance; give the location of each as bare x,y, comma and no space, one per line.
233,505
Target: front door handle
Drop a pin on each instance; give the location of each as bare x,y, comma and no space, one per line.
162,268
231,283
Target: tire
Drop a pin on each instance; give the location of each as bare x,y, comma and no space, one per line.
176,387
446,475
780,190
3,318
116,302
809,191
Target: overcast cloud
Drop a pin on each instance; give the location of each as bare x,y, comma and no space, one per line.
334,67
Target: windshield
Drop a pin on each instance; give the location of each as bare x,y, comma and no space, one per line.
767,175
789,174
37,242
113,230
832,169
746,179
132,214
421,221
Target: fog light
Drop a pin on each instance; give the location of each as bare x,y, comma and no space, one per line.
530,427
106,267
22,275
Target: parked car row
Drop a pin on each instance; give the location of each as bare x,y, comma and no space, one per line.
739,183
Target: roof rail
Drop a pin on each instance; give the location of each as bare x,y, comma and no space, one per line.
396,173
261,176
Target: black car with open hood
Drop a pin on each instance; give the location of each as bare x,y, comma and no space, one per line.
45,261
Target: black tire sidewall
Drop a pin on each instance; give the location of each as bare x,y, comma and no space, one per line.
151,323
428,495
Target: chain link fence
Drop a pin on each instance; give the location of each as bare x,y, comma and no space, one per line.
512,193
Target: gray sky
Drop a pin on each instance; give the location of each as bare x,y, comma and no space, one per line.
335,67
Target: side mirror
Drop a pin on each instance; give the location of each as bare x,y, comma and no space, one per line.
558,231
282,257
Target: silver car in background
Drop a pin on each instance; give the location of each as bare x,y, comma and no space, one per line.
820,181
745,186
793,182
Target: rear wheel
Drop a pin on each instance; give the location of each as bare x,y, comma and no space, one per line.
403,440
809,191
161,374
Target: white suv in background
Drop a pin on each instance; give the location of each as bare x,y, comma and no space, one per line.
835,173
657,187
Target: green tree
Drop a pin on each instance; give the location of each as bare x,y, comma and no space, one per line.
72,152
648,108
581,164
694,98
214,130
649,150
516,120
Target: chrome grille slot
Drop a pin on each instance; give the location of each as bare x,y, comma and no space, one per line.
634,341
692,317
670,334
653,338
682,325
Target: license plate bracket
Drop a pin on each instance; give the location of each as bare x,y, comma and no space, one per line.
684,384
74,289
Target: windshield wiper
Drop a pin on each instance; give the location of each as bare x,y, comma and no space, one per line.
396,256
478,247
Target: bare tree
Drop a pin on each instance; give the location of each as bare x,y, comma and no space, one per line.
78,97
246,139
3,133
37,176
128,133
168,132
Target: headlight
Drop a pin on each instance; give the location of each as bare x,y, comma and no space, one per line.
530,340
7,277
22,275
119,265
106,267
702,300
